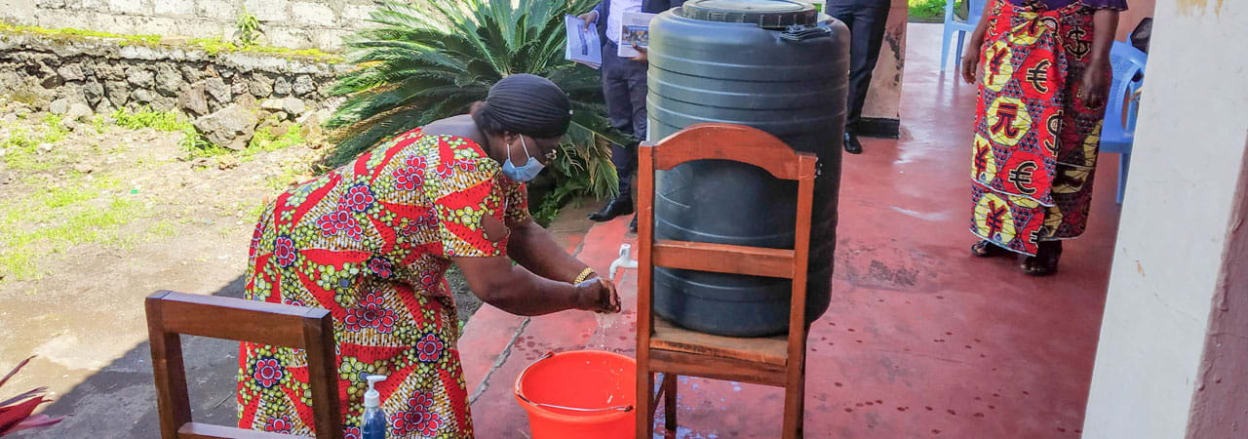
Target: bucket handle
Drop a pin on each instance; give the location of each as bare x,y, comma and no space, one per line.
519,394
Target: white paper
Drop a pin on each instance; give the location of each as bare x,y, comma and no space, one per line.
636,29
583,44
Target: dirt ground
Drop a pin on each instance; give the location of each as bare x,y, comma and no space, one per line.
99,218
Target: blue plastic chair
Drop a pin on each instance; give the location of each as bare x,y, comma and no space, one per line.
954,24
1116,134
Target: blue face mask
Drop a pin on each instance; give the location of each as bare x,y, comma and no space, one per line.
524,173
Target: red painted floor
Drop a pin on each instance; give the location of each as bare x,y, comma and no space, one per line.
921,340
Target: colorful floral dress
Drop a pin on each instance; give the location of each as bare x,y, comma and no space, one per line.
370,242
1036,143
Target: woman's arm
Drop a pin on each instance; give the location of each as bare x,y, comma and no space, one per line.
534,248
516,290
970,58
1096,77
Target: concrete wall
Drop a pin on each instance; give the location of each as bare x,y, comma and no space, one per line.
298,24
1169,337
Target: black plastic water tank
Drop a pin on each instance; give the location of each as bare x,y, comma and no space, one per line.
775,65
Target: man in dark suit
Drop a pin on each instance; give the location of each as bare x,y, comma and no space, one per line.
866,20
624,85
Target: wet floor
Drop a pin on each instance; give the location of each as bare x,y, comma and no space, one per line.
921,339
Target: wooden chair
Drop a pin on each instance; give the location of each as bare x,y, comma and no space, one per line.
171,314
662,347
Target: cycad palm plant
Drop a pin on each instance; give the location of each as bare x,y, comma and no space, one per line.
433,58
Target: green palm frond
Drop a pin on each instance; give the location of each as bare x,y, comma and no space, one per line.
431,59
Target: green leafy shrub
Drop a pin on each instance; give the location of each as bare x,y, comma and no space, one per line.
432,59
928,11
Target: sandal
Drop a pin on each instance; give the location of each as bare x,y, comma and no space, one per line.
987,249
1044,263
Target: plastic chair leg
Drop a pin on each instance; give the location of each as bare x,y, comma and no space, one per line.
1124,166
961,42
944,48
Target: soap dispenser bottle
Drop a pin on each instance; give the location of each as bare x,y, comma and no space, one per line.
373,423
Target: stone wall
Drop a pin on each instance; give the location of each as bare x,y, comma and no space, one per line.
298,24
81,76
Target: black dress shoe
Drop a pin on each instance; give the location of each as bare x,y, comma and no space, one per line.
632,225
617,207
852,145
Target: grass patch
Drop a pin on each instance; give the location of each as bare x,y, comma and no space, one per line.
22,145
217,46
53,129
148,118
53,219
192,141
930,11
197,146
97,123
265,141
69,32
212,46
256,210
289,174
162,229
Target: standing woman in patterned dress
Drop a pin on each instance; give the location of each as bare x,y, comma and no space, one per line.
371,242
1043,72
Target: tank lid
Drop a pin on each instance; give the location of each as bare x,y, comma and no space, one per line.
768,14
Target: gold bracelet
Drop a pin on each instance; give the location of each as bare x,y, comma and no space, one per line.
584,275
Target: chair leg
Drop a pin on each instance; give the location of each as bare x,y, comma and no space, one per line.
944,48
961,42
794,405
1124,166
669,404
645,415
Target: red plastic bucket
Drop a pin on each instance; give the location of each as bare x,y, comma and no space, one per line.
580,394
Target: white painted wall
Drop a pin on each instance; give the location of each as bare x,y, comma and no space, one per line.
1189,148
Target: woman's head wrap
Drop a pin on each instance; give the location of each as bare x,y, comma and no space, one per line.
527,104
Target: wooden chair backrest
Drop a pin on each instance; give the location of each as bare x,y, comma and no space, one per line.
171,314
738,143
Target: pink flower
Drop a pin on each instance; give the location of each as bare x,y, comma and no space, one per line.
427,281
445,168
422,399
284,250
340,221
430,348
418,418
433,423
409,178
268,372
279,425
372,314
357,199
381,266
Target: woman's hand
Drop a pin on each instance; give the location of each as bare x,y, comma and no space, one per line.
1094,85
970,63
597,295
